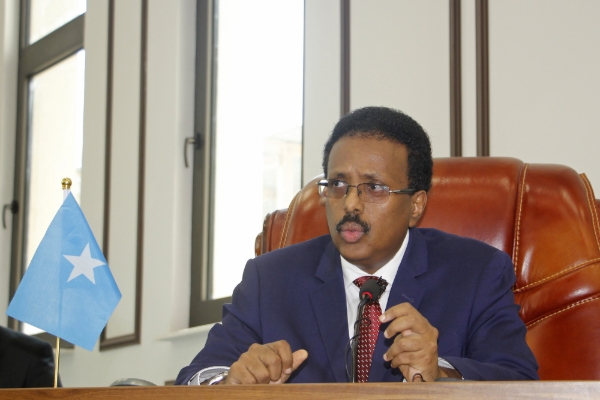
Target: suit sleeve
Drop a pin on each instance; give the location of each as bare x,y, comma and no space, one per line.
496,347
239,329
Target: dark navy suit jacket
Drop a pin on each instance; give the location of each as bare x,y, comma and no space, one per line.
462,286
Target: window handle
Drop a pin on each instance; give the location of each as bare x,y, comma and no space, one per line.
197,141
13,207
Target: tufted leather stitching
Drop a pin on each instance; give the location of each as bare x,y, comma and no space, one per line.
288,217
268,229
578,303
556,275
591,203
519,212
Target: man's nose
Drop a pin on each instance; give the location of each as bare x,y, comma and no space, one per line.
352,200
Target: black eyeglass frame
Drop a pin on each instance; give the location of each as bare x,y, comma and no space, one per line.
324,183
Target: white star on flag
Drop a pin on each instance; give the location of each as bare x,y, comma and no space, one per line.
83,264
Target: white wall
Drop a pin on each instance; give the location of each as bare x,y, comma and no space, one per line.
545,82
399,58
468,83
321,81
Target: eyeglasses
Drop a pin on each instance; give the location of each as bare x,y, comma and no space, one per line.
367,192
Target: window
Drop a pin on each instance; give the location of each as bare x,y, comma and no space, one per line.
248,136
46,16
55,140
50,122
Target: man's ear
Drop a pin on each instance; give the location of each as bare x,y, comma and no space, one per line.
418,203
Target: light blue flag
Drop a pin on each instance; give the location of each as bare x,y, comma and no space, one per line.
68,289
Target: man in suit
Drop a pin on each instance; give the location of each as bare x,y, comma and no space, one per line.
449,306
25,361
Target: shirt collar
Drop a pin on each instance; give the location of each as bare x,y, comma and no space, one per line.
387,272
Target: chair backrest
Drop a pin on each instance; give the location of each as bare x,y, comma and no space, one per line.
545,216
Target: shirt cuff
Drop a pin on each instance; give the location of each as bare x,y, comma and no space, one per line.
205,374
444,364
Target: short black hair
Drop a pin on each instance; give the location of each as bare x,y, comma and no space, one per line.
386,123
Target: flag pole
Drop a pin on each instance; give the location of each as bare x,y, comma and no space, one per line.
66,186
57,362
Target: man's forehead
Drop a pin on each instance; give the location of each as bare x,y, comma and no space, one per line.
367,174
370,158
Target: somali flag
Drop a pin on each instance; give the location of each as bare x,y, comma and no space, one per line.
68,289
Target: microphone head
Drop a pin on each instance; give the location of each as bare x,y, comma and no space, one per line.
371,290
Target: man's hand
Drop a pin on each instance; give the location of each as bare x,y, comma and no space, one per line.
415,349
268,363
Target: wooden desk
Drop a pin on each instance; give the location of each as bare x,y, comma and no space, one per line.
362,391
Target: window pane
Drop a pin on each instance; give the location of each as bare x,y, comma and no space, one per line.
55,145
259,64
46,16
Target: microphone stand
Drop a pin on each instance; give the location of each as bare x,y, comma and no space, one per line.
359,316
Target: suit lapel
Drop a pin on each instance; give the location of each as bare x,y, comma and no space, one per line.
329,305
406,288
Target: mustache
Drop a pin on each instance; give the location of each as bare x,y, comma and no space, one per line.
353,218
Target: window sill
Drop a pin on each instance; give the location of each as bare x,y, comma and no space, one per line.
186,333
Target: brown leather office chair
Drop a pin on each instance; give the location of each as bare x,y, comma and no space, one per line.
544,216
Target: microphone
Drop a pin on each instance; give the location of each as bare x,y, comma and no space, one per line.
371,290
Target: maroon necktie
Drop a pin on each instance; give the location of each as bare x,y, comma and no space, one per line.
369,330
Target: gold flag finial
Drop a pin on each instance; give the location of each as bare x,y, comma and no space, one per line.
66,183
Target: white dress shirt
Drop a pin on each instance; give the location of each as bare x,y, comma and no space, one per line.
351,272
387,272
